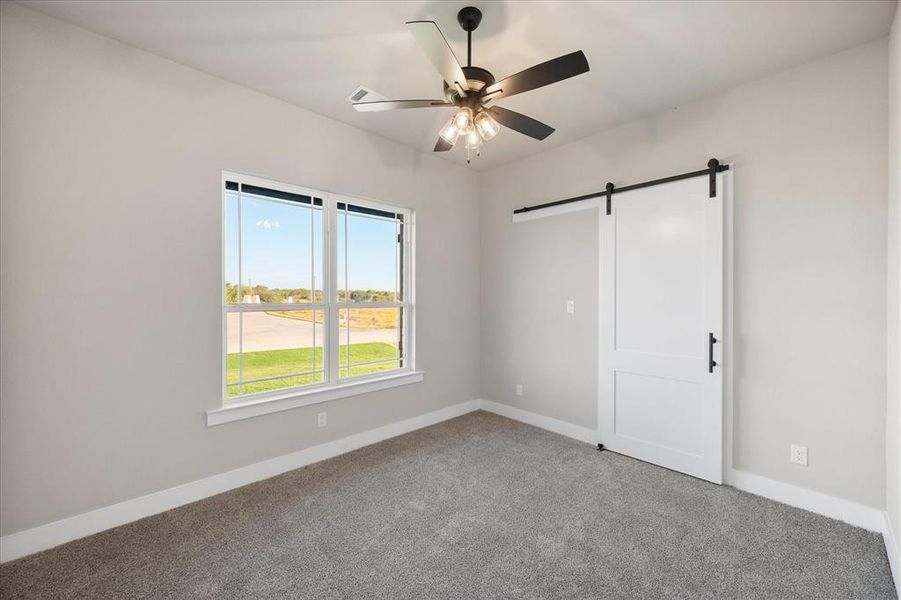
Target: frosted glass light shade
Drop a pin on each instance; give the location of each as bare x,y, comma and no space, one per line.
486,125
473,139
449,133
463,119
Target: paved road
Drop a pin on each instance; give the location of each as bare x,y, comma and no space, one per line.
266,332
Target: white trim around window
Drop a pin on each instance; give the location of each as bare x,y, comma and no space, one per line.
333,375
296,399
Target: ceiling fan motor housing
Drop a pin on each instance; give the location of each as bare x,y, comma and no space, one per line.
476,79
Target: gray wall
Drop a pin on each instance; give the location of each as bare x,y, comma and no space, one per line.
809,146
893,379
110,244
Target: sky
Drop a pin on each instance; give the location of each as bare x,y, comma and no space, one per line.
276,243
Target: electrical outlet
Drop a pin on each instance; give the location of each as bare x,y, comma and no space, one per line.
799,455
322,419
519,389
571,306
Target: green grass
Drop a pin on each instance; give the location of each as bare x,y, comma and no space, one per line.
273,363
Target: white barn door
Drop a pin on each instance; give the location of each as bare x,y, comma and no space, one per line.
661,288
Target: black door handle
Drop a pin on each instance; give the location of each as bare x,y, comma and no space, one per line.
710,362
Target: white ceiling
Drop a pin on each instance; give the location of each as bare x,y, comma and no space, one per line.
645,57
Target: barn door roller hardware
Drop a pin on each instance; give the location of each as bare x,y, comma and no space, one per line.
713,167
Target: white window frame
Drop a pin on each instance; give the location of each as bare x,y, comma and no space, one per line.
332,387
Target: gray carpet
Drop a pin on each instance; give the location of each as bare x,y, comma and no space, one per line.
477,507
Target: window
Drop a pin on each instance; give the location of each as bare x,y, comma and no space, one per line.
316,290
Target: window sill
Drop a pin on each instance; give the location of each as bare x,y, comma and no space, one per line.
272,404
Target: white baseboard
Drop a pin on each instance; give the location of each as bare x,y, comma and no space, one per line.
577,432
893,551
39,538
848,511
856,514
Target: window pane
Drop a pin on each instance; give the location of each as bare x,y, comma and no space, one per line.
318,245
281,349
368,258
276,250
231,247
372,341
232,348
343,342
358,370
342,256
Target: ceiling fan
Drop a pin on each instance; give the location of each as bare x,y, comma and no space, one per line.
471,89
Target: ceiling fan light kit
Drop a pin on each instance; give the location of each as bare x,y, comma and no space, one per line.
470,88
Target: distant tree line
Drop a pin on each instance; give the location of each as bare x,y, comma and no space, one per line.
282,295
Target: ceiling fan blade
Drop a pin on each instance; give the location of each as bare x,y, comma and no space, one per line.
398,104
439,53
546,73
521,123
442,145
